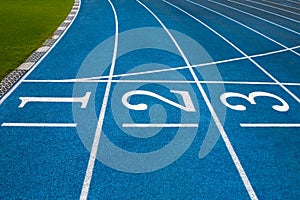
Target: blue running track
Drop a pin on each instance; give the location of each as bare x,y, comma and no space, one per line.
160,99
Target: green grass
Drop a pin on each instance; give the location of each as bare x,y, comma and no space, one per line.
24,26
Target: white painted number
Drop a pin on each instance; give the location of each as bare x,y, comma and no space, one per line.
83,100
187,101
281,108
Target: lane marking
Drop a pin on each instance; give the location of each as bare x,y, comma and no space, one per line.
273,52
281,4
255,31
239,50
159,125
12,89
278,15
274,7
293,1
95,146
226,140
258,125
162,70
54,125
165,81
263,19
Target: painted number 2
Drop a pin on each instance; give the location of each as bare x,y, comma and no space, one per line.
281,108
187,101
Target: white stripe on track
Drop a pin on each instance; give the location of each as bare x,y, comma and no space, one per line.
212,111
275,125
160,125
278,15
249,28
166,81
263,19
267,5
279,4
296,2
53,125
95,146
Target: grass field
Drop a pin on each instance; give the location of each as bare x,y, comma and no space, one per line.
25,25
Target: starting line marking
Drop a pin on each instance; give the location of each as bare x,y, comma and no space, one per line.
163,81
159,125
55,125
258,125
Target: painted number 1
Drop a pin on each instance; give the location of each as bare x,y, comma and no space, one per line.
251,98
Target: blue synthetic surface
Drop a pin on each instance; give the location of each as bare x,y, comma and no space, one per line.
50,163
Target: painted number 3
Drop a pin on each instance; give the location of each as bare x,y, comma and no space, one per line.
281,108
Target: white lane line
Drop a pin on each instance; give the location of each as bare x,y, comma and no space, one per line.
249,28
258,125
226,140
159,125
279,4
95,146
239,50
54,125
168,81
11,90
293,1
273,52
278,15
263,19
267,5
160,70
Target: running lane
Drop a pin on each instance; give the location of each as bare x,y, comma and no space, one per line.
49,162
